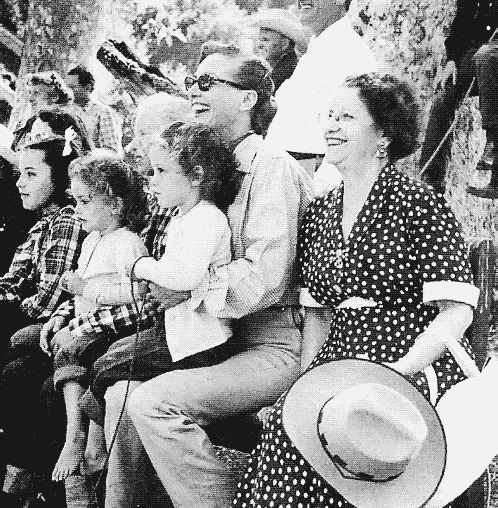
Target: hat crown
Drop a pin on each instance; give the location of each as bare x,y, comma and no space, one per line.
284,22
371,431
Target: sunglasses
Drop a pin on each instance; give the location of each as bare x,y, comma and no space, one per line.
206,82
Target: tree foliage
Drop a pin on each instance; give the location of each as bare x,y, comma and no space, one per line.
173,32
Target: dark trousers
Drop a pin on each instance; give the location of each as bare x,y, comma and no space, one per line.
33,418
12,319
150,357
482,63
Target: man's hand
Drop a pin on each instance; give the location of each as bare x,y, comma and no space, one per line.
72,283
49,329
161,298
443,75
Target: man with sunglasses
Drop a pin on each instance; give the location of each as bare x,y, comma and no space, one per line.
258,290
334,52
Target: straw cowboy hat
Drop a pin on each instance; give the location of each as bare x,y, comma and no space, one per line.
6,139
368,432
284,22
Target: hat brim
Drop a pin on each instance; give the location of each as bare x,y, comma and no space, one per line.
314,388
286,28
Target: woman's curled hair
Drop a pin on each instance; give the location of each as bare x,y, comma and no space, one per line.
194,145
394,109
108,175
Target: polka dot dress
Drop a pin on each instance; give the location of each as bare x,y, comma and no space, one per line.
404,237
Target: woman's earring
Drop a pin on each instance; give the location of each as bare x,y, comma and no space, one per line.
381,152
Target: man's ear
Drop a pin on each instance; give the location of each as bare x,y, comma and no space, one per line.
198,177
249,101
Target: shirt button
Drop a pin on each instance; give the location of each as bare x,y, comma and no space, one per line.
337,289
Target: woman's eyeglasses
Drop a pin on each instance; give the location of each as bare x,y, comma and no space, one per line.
205,82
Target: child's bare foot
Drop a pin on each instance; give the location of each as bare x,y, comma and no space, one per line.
70,458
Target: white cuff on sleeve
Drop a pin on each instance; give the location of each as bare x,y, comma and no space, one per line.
306,300
451,290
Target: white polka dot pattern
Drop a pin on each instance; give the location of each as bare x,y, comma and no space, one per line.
404,236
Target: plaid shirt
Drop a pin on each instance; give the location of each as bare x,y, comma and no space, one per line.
120,319
102,126
52,247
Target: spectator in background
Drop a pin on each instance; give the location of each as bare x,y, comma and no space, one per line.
102,126
280,34
468,55
153,114
45,90
335,52
7,89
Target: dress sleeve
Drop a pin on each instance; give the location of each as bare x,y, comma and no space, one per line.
441,252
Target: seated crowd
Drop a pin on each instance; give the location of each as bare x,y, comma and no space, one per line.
159,295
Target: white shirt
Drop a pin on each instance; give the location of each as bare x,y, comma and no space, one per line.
102,264
334,55
195,242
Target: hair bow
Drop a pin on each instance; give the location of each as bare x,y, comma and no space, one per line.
69,136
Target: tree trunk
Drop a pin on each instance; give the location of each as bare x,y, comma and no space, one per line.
58,34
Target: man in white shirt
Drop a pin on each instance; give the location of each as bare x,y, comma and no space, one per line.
335,51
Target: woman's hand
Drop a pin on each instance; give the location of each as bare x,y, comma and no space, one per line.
49,329
72,283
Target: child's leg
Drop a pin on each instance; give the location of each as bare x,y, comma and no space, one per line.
74,448
96,451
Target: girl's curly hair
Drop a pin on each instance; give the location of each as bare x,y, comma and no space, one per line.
194,145
108,175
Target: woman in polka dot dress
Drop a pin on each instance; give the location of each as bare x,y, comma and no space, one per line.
385,274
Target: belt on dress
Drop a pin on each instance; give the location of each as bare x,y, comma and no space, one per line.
356,302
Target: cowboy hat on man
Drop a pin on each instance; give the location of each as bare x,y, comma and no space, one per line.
280,35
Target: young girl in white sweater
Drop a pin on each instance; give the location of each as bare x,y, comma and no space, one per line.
111,204
194,174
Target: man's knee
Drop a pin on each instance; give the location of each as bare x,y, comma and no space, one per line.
115,395
139,403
